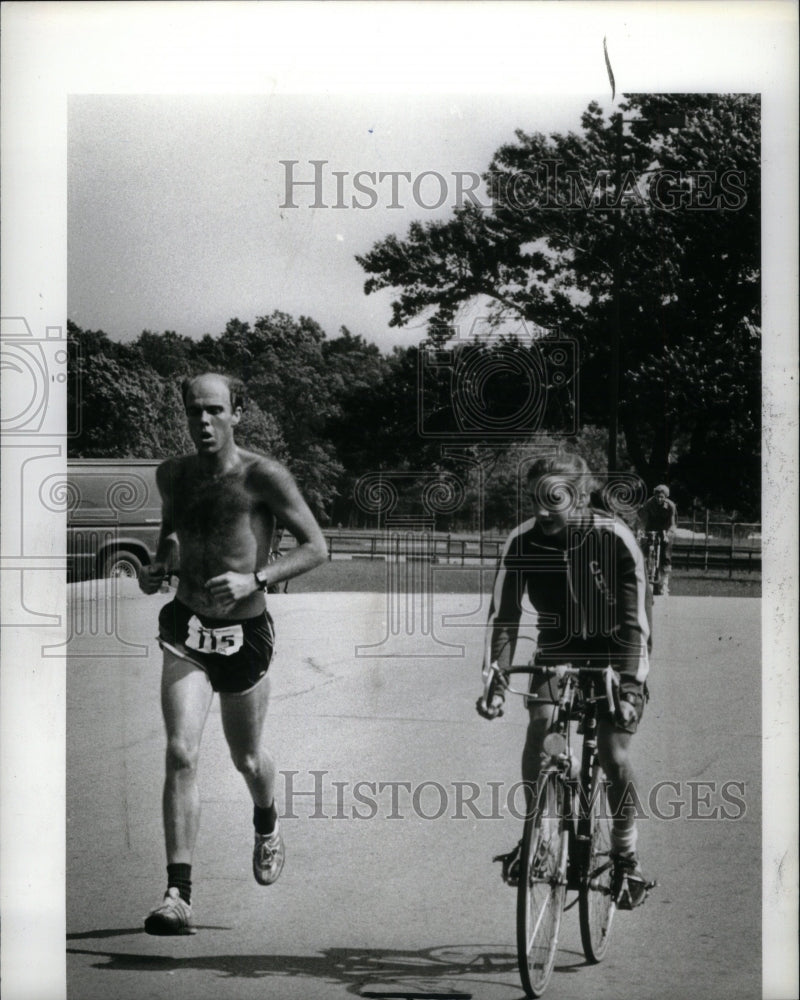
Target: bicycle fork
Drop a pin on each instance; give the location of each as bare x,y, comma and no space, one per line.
581,807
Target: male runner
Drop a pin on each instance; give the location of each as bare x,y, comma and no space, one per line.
660,514
584,575
219,511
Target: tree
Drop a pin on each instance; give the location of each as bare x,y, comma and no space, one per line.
167,353
125,410
664,226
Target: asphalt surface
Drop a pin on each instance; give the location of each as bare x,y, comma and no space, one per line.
389,889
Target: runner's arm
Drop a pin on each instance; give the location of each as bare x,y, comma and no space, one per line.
279,492
166,559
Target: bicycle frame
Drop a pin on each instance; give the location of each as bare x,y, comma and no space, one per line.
653,555
577,702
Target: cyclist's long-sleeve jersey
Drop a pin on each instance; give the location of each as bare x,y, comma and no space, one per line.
659,517
589,591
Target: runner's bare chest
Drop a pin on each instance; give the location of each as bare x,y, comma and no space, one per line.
220,512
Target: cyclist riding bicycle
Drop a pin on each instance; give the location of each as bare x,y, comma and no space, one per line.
660,514
584,575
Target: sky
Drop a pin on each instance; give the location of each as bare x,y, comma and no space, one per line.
179,217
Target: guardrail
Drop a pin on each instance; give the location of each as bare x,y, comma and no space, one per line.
725,546
721,544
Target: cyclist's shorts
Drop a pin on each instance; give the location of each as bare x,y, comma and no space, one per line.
544,689
234,654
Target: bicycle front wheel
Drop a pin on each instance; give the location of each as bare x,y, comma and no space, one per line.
595,900
542,885
652,564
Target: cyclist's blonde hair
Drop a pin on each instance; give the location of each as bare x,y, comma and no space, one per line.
567,465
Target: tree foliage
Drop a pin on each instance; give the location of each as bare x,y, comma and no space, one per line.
660,219
299,385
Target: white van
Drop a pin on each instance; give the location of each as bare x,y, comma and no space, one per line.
113,519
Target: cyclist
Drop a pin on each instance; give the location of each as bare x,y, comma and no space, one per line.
660,514
584,575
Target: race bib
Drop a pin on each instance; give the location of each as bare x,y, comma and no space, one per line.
223,641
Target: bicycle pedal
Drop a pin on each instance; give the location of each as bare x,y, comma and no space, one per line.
630,900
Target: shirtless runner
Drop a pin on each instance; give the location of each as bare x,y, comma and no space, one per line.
219,512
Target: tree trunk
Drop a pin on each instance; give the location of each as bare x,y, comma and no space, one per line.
659,451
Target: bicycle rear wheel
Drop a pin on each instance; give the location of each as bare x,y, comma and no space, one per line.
596,906
542,886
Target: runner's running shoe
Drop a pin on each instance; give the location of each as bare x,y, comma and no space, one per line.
268,856
173,916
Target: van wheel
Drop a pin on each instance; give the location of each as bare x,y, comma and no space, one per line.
122,564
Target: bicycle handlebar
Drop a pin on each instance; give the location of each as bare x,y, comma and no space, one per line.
495,676
495,682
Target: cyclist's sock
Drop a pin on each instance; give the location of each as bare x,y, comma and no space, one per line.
179,875
264,820
623,839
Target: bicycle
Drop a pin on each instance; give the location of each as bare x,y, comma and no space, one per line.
566,842
652,547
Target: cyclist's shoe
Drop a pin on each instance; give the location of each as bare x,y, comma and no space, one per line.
172,916
629,887
268,856
539,865
511,864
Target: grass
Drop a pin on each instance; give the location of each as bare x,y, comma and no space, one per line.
370,576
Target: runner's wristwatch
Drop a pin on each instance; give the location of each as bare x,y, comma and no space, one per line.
261,580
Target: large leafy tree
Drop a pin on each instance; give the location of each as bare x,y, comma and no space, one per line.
124,410
654,220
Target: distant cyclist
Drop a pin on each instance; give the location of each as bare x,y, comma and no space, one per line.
584,575
661,515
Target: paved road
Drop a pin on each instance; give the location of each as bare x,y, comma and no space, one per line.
405,902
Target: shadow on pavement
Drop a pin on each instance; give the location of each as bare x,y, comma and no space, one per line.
110,932
366,972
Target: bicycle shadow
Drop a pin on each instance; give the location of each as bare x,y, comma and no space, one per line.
451,971
445,972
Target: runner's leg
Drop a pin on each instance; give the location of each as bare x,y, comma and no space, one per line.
185,700
243,718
